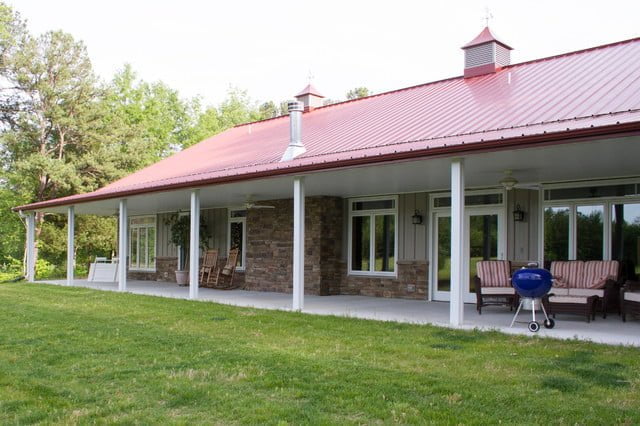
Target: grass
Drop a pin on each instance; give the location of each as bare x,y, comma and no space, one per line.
72,355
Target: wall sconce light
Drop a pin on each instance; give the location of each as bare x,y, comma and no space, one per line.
416,219
518,214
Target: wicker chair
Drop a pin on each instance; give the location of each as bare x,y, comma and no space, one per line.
582,287
630,299
223,277
493,284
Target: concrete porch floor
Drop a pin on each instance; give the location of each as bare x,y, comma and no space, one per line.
610,330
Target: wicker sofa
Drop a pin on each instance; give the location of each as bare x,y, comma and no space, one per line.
493,284
582,287
630,299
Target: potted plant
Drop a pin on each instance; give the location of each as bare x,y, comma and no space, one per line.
180,230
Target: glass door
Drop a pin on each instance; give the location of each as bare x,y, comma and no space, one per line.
441,273
484,228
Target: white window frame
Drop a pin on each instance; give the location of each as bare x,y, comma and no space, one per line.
470,192
243,221
574,203
372,214
153,225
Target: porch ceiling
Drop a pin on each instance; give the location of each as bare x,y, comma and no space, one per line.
531,166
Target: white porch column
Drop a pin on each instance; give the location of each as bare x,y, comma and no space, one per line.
70,244
456,305
123,246
194,245
298,243
30,273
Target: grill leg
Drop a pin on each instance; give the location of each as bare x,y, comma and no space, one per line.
517,312
544,312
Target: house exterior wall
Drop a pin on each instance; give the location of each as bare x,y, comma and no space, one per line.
522,237
167,252
412,239
270,250
270,246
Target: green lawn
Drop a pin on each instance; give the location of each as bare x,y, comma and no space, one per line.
71,355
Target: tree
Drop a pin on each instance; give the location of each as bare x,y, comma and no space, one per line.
149,120
237,108
358,92
12,36
52,81
268,110
62,132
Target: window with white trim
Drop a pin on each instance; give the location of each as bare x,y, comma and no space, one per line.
593,221
142,243
372,236
237,235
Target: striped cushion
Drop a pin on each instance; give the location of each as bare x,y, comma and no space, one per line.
596,273
494,273
568,273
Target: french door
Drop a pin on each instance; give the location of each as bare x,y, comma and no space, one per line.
485,240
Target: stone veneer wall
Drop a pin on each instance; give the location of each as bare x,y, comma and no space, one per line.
270,246
411,282
165,271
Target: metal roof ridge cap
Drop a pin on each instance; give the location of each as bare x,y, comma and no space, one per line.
572,52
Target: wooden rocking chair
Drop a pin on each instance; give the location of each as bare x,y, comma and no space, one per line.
223,278
208,267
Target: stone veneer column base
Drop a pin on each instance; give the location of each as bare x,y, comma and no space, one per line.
411,282
165,271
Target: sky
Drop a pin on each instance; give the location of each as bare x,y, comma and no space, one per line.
270,48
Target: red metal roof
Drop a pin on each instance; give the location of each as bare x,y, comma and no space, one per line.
485,36
590,92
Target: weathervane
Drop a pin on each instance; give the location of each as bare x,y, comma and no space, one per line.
487,16
310,76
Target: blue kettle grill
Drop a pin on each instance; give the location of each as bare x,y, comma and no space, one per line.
532,284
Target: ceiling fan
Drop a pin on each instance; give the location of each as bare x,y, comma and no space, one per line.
250,204
509,182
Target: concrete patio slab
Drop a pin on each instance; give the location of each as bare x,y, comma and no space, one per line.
610,330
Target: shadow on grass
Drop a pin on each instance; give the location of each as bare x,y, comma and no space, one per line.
589,370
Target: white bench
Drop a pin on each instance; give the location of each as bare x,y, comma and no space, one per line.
103,270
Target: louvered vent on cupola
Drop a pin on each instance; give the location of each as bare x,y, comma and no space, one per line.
485,54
